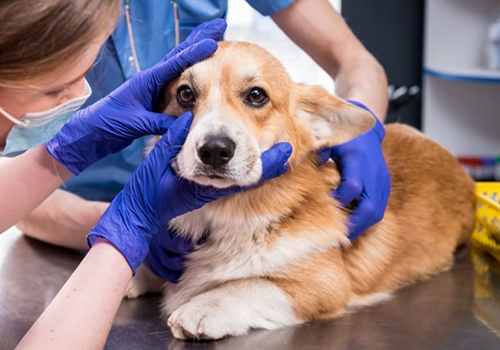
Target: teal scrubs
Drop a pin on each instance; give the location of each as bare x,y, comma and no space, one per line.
154,34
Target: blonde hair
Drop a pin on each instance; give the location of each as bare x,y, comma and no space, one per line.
37,37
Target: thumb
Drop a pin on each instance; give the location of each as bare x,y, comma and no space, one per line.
323,155
176,135
351,186
274,160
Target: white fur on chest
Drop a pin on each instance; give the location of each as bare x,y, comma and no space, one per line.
238,247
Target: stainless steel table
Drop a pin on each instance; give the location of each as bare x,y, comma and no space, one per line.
459,309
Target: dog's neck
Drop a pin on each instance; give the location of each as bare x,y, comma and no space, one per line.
257,212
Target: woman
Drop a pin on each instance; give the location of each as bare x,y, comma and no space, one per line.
44,55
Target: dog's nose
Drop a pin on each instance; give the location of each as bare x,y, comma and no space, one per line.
217,151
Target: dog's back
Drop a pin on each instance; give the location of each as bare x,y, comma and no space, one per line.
431,211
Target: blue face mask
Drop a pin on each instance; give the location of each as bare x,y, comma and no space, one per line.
34,129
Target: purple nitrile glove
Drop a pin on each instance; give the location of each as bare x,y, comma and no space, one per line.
156,194
166,254
365,176
112,123
213,29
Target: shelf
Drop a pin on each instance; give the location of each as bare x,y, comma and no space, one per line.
460,95
476,75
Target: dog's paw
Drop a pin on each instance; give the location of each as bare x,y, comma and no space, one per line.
143,282
135,289
206,318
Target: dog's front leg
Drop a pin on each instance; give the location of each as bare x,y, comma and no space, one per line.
233,309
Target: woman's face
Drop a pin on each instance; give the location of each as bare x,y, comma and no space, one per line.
54,89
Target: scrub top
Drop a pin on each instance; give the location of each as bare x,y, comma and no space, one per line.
154,34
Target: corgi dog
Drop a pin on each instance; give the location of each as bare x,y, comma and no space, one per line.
279,254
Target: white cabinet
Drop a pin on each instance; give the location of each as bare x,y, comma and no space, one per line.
461,101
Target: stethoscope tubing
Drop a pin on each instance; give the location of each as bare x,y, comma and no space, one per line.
131,33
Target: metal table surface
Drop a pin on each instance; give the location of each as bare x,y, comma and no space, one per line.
459,309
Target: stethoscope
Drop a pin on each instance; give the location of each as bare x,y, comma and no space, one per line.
131,34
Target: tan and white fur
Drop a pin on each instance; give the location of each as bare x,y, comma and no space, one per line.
272,257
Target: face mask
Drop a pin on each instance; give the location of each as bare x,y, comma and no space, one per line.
34,129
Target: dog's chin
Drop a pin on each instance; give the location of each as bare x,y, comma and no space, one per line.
218,178
215,181
224,180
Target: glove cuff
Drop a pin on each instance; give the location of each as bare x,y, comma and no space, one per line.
54,149
134,253
378,128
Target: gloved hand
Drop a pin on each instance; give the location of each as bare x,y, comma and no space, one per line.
364,176
166,250
112,123
155,195
213,29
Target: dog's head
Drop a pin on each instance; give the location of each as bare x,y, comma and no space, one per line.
244,102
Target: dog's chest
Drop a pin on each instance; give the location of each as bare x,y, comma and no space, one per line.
237,247
231,249
227,246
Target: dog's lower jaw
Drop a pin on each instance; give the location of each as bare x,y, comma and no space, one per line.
214,181
246,174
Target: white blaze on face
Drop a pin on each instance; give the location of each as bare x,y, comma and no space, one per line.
216,119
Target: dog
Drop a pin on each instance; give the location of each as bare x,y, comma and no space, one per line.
279,254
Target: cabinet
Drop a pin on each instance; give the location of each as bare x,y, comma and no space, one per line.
461,97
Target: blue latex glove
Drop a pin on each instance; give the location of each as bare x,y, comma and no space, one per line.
365,176
166,252
112,123
155,195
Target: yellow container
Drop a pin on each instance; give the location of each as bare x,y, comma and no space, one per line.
486,304
487,232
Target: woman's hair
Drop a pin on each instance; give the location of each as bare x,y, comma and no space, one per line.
40,36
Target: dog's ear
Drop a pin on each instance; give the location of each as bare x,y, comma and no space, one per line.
330,120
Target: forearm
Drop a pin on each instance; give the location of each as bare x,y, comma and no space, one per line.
363,79
63,219
82,313
318,29
26,181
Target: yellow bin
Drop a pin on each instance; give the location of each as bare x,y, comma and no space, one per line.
486,255
487,232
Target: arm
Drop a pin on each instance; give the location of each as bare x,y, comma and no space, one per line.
316,27
83,311
63,219
26,181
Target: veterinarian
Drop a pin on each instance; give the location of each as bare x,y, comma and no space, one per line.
44,55
312,24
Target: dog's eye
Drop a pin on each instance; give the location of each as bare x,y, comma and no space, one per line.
257,97
185,96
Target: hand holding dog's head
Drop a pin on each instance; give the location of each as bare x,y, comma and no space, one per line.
244,102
